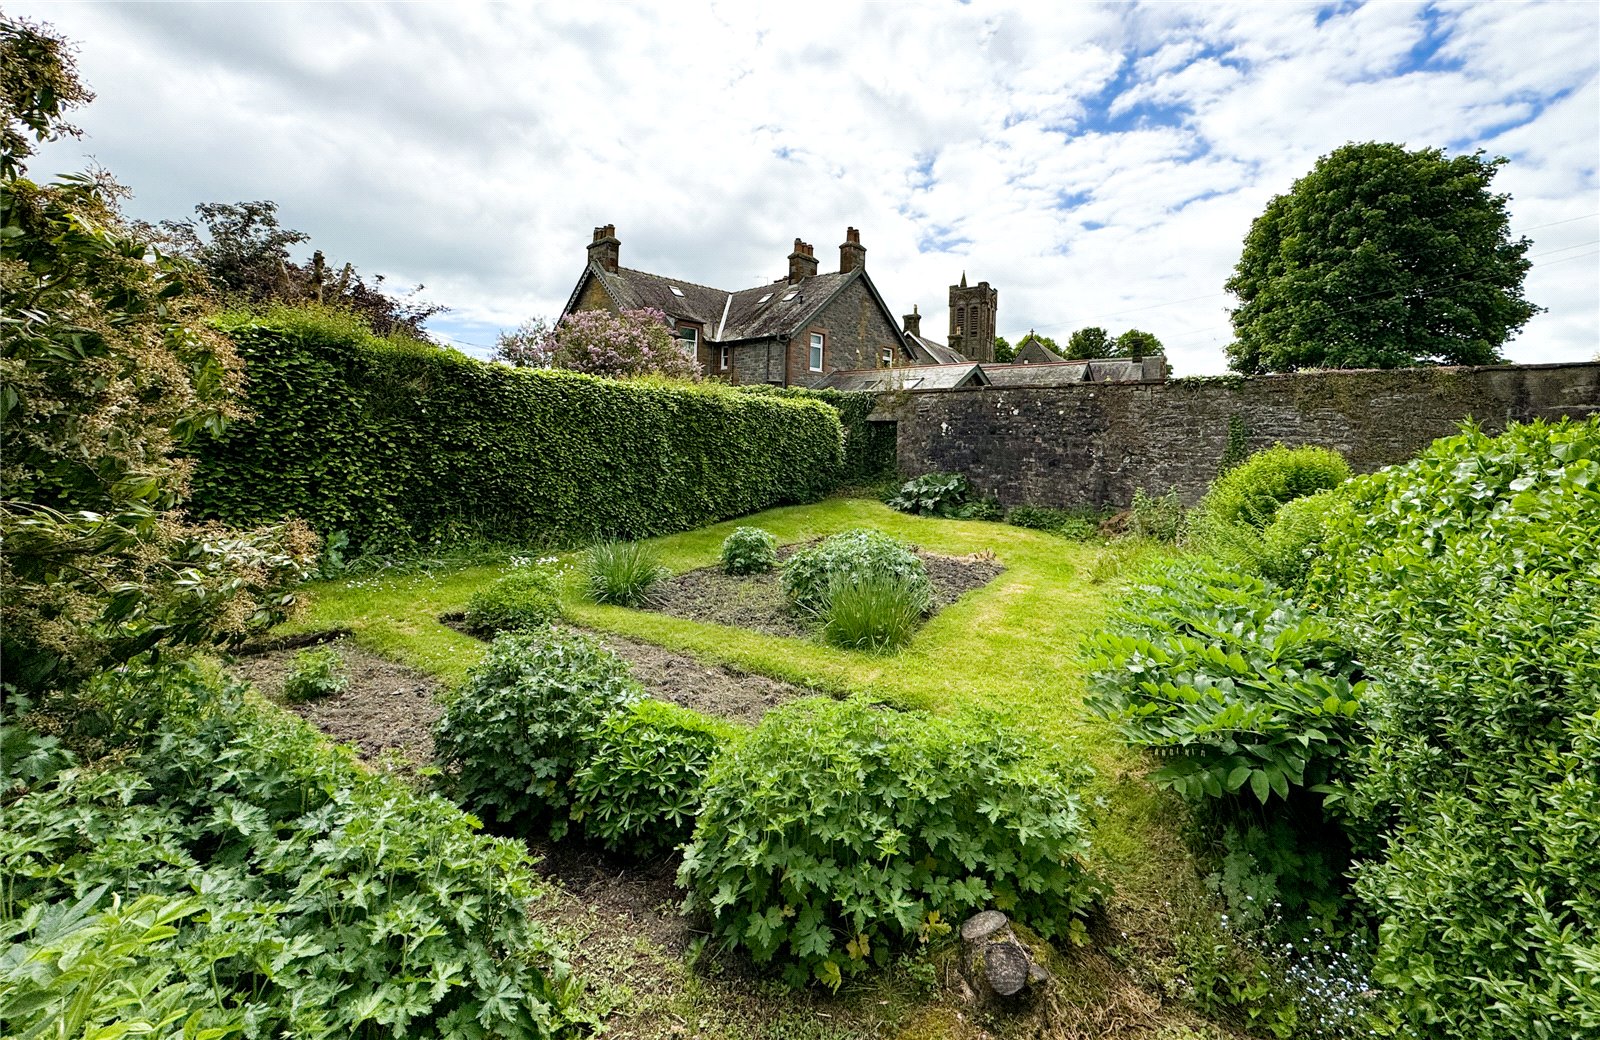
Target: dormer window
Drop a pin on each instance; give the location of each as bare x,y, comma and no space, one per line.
886,358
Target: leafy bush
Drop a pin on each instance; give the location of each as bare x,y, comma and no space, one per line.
877,613
933,494
315,673
1067,524
525,722
1252,492
1233,684
640,791
1281,552
979,509
399,443
749,550
853,556
527,598
230,865
1158,519
621,573
1469,578
838,833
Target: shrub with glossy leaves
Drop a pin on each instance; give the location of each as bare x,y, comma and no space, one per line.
852,556
640,792
1252,492
840,833
526,722
527,598
749,550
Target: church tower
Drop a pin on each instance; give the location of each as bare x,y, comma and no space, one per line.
972,319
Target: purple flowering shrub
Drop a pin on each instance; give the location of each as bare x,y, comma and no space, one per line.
633,343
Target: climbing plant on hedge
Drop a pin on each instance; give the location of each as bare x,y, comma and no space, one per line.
397,442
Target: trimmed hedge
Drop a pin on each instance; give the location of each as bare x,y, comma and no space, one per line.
869,448
397,442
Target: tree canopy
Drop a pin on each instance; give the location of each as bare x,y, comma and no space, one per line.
1380,258
1094,343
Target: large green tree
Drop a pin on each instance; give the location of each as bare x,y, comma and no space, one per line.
1380,258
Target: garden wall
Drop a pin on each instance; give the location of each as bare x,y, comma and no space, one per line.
1094,444
398,443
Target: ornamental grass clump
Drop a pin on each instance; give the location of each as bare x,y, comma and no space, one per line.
749,550
838,835
527,598
621,573
878,613
854,556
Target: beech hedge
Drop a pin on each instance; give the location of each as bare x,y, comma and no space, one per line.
397,443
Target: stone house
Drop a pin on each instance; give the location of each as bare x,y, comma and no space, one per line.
790,332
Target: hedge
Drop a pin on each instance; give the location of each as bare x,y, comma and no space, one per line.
397,442
869,448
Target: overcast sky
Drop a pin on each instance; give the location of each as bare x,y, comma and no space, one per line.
1099,165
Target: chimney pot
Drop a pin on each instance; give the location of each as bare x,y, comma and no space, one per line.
802,262
605,250
852,254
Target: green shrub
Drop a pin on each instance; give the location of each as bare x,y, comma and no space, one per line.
621,573
838,833
979,509
1234,685
855,555
1076,526
315,674
267,883
640,792
399,443
878,613
749,550
525,722
1281,552
933,494
1159,519
527,598
1469,578
1251,492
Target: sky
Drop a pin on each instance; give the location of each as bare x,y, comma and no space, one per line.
1097,164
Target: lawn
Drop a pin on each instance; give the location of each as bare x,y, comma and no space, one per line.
1011,647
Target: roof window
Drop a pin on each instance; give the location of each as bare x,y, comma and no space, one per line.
791,294
676,291
763,299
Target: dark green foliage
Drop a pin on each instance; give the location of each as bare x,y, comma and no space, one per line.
621,573
1136,343
839,833
749,550
869,447
315,674
933,494
1234,685
527,598
640,792
1238,448
525,722
1471,579
1089,343
1004,352
265,878
988,509
1078,526
1161,518
1251,492
877,613
1380,257
853,556
399,443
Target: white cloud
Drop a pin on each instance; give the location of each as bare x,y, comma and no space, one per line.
1096,163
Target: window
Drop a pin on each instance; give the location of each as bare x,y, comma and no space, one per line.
816,351
961,320
676,291
764,299
724,359
886,359
691,338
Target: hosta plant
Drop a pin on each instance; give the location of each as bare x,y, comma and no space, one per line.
749,550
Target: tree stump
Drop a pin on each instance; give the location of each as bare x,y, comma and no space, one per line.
996,965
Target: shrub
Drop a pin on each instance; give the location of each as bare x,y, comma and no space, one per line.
525,723
1469,578
933,494
527,598
399,443
1233,684
1076,526
855,555
621,573
877,613
1158,519
266,882
838,833
315,674
749,550
988,509
640,792
1252,492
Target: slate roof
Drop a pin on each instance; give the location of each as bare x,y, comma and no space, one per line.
1061,373
909,377
933,351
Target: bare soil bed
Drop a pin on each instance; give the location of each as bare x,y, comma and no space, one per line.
756,601
711,689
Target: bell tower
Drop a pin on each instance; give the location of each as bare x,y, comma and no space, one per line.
972,319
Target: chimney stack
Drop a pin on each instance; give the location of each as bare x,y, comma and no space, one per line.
852,254
913,322
802,262
605,248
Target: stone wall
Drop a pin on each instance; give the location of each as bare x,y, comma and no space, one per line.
1095,444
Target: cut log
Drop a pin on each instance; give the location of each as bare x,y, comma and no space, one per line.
997,967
